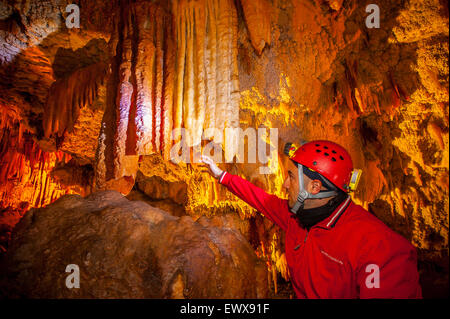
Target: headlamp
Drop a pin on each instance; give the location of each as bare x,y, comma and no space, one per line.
354,179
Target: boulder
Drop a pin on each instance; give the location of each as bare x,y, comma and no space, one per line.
158,188
167,205
126,249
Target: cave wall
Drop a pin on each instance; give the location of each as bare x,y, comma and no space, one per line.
383,93
312,69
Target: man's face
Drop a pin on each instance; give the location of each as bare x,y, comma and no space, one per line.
291,183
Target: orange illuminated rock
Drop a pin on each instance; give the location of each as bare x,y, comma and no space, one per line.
126,249
311,69
257,16
123,185
157,188
138,106
206,90
69,95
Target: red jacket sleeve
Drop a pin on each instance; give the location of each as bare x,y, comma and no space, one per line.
271,206
388,269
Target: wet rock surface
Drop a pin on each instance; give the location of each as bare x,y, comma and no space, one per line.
126,249
310,68
157,188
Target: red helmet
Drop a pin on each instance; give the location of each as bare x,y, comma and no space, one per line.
328,159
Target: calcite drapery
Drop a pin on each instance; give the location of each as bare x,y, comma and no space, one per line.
153,72
207,83
68,95
25,168
257,17
158,84
138,113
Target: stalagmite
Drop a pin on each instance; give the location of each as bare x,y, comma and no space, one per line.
100,160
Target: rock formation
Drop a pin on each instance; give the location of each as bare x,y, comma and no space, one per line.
127,249
94,107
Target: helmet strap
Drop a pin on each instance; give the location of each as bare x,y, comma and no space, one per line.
303,194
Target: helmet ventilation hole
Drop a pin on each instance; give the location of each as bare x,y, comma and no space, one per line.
340,156
333,159
326,154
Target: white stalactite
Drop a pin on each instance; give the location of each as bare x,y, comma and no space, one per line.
171,81
207,85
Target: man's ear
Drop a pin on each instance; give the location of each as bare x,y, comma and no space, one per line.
316,186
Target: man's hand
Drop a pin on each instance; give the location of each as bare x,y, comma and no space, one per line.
212,167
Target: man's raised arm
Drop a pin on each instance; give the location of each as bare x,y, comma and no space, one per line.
271,206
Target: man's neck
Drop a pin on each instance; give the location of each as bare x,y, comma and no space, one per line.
310,216
313,203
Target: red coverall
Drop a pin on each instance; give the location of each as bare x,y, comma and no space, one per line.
338,257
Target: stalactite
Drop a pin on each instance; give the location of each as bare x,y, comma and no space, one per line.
188,94
145,60
207,87
169,59
211,64
232,137
143,98
163,85
123,99
223,74
158,97
257,18
25,168
180,63
68,95
358,96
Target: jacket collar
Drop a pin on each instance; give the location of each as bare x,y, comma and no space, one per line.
331,220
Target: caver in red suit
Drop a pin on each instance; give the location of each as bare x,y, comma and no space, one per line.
338,250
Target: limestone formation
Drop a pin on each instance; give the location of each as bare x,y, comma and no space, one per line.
126,249
258,19
69,95
89,108
207,83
